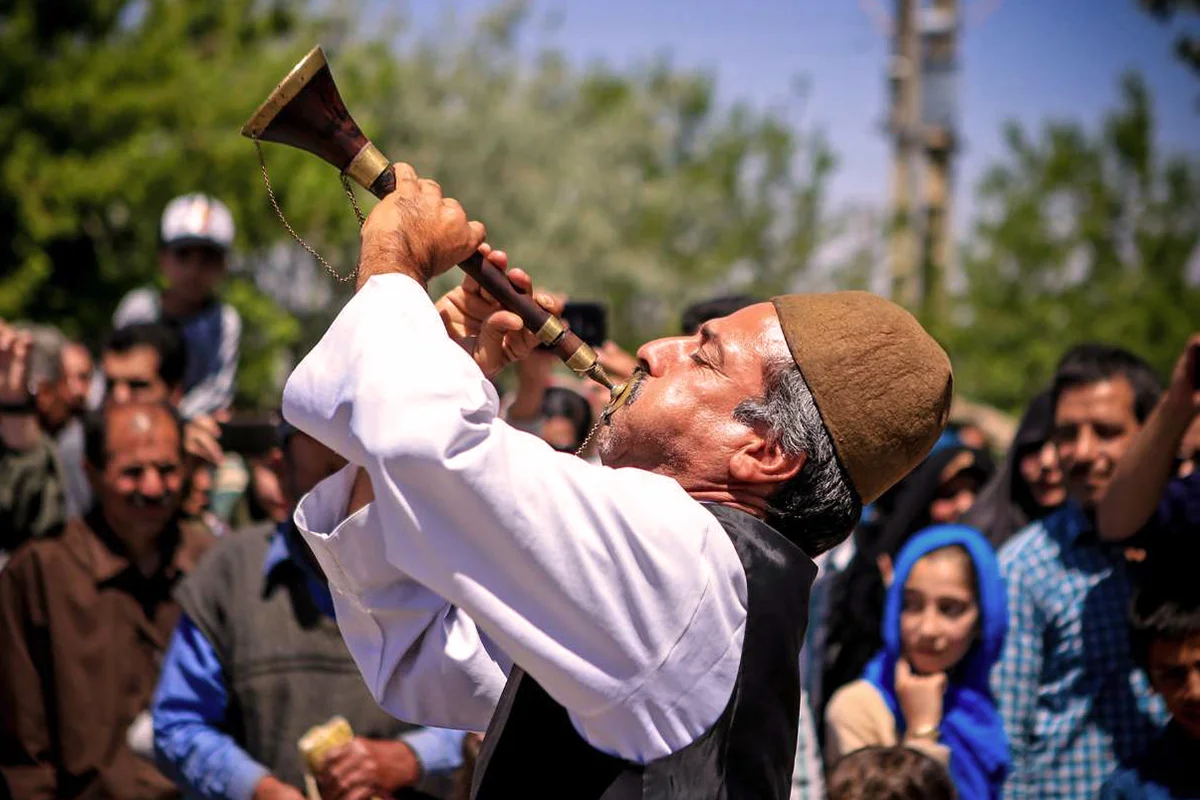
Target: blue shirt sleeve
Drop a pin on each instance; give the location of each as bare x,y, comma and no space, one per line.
188,708
438,749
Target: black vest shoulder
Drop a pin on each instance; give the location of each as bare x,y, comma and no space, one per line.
533,751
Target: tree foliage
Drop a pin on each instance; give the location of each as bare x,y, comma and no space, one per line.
1187,47
631,186
110,109
1083,234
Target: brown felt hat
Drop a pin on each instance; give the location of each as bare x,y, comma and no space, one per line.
881,383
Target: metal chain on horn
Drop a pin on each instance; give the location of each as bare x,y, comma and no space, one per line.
307,247
349,187
587,440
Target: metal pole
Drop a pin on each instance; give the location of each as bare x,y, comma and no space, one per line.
903,126
940,33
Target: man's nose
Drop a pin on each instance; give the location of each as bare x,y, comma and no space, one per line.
151,483
660,353
1085,446
119,393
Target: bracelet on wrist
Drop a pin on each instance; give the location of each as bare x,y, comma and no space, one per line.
929,732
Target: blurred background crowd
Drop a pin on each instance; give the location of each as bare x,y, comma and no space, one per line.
1019,617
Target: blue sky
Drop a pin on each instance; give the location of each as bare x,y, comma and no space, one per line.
1026,60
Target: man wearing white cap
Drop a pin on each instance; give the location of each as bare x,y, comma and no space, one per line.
197,232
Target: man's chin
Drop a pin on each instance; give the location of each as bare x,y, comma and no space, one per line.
612,446
606,446
1086,494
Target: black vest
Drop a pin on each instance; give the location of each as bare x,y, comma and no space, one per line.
532,750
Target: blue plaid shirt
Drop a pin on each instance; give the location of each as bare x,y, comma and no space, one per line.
1074,705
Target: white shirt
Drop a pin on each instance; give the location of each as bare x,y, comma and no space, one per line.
616,591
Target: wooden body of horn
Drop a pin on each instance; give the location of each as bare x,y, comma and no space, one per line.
306,111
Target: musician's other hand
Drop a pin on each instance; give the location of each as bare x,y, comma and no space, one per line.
494,337
416,231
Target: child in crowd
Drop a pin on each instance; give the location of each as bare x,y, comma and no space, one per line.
889,773
1165,636
944,625
197,234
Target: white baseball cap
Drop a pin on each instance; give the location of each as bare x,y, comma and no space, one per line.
197,219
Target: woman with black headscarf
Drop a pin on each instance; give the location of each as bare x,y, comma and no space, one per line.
1029,486
939,491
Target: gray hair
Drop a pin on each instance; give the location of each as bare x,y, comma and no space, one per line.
45,353
818,508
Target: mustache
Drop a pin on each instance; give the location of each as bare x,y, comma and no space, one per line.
635,387
139,500
637,376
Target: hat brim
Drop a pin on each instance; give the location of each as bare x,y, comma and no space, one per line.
194,241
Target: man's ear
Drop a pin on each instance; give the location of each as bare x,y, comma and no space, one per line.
763,461
175,397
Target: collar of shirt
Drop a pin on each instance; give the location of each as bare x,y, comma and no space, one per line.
1071,525
99,549
282,551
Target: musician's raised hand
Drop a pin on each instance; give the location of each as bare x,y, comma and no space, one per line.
494,337
416,231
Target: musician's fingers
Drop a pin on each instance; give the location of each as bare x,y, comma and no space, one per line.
470,286
497,258
431,187
520,279
503,322
494,330
520,344
553,303
478,233
404,173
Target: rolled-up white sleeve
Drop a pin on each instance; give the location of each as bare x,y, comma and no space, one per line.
426,657
615,590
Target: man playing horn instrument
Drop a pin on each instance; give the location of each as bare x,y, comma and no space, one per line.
634,626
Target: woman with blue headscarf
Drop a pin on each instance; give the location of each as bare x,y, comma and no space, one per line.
944,624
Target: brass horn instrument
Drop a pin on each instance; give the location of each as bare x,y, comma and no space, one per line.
306,111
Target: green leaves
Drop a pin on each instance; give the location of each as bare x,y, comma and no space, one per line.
1082,235
633,186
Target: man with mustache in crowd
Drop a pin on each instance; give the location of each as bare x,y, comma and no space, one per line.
85,618
636,626
1073,702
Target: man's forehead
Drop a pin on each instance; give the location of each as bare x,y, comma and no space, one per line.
74,351
1107,396
139,421
135,355
1184,650
754,319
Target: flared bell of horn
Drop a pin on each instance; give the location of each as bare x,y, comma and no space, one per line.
306,111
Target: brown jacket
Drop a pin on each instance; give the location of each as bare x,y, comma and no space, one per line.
82,634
